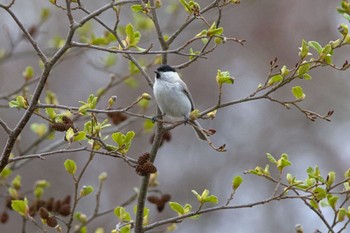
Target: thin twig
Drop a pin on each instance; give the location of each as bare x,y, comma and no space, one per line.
45,154
5,127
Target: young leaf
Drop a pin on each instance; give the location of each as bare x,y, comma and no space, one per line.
283,162
122,214
38,129
186,6
20,206
304,50
50,112
303,69
79,136
236,182
316,46
276,79
137,8
284,71
70,135
86,190
5,173
28,73
298,93
70,166
271,158
177,208
224,77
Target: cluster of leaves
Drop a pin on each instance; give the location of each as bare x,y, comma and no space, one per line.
317,191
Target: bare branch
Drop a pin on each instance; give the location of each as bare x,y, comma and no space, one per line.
45,154
27,34
213,209
5,126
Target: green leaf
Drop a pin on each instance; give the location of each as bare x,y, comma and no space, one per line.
38,192
86,190
122,214
271,158
316,46
186,6
42,184
330,179
177,208
211,198
236,182
224,77
137,8
16,182
346,16
20,102
205,197
70,166
89,104
304,49
50,112
5,173
100,230
303,69
341,214
298,93
118,138
148,125
70,135
327,49
283,162
332,201
79,136
319,193
132,37
215,31
109,60
306,76
314,204
44,14
28,73
276,79
284,71
20,206
38,129
128,139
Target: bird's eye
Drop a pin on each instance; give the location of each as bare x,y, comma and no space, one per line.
157,75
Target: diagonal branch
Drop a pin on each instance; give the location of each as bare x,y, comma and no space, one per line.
5,126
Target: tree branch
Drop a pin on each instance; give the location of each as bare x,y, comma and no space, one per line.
5,127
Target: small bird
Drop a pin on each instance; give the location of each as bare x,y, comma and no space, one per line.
173,97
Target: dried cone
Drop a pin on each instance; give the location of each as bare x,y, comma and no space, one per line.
117,117
4,217
143,158
146,169
66,200
61,127
51,221
64,210
50,204
166,197
44,214
153,199
57,206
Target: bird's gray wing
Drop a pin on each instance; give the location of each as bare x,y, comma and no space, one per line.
187,93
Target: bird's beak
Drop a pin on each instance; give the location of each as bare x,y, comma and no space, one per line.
156,72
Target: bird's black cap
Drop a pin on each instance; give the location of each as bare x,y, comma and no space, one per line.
165,68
